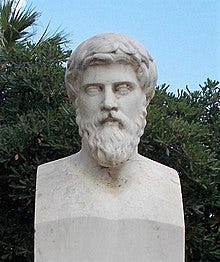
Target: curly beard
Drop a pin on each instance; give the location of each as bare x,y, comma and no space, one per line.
111,137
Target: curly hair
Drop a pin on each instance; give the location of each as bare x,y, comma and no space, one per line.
106,49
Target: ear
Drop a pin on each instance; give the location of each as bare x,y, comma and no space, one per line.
147,101
74,101
70,92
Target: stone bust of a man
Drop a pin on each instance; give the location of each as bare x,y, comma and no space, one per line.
108,202
111,79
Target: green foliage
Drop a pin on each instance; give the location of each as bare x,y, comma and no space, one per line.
14,23
27,81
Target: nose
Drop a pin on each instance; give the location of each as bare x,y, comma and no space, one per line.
109,101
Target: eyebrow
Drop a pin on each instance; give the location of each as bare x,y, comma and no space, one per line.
124,82
114,83
92,84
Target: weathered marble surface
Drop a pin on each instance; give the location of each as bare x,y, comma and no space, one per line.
107,202
80,217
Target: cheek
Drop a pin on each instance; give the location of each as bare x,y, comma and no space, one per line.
88,107
133,105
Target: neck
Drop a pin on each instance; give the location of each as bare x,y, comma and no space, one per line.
114,178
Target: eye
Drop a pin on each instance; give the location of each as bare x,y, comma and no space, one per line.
93,90
123,88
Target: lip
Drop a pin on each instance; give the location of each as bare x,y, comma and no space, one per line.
112,121
109,120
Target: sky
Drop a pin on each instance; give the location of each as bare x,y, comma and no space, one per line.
183,36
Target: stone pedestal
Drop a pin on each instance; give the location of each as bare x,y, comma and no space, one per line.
80,217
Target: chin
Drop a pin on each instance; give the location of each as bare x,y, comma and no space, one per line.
114,154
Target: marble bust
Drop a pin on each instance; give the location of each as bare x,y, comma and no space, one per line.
108,202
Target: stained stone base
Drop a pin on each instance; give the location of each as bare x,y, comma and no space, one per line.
77,220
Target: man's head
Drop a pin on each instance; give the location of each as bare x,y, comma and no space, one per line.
111,79
106,49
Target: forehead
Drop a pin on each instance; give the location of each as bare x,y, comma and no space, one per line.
109,73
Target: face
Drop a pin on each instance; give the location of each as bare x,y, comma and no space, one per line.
110,88
111,113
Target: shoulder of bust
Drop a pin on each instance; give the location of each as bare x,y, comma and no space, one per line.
157,167
58,164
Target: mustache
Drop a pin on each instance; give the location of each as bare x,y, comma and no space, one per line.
119,117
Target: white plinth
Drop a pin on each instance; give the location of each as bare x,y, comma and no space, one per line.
80,218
